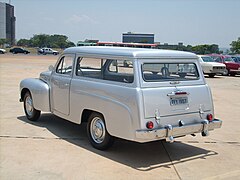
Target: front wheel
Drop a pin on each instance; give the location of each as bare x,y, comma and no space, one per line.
97,132
225,72
31,113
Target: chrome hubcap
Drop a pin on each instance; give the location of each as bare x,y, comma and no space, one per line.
97,130
29,105
225,72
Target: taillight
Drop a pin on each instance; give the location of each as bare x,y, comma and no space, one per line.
149,125
210,117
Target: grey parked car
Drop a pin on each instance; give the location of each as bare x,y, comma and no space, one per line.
140,95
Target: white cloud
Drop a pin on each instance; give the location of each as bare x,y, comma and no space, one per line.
76,19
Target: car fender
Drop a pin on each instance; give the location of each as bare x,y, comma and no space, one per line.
40,93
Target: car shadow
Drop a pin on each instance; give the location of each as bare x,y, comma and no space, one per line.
215,77
140,156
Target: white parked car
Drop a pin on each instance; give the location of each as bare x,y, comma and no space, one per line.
2,51
45,51
210,67
140,95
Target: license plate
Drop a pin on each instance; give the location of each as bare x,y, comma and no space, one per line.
174,101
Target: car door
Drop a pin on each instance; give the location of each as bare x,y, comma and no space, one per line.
60,84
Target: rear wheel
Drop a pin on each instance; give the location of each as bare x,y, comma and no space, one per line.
97,132
31,113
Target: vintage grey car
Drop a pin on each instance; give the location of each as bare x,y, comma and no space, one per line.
135,94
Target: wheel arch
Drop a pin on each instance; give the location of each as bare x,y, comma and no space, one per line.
23,92
86,113
40,93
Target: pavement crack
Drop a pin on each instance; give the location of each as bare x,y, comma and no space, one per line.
36,137
175,169
214,142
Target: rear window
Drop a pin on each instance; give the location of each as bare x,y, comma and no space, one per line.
169,72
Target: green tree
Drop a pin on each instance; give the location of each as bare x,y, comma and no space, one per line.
41,40
205,49
235,46
24,42
70,44
61,41
4,41
54,41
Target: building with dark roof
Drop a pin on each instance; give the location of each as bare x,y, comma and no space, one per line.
137,38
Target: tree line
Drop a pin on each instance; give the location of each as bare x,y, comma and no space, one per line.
61,41
45,40
199,49
204,49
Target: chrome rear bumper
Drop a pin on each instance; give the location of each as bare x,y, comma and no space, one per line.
169,132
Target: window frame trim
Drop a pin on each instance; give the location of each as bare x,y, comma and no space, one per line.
59,61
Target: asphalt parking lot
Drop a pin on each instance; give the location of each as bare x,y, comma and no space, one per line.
53,148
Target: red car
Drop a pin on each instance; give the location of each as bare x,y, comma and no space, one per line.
232,67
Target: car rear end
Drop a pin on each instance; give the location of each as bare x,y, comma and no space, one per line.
176,101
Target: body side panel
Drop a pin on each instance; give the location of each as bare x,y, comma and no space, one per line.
117,103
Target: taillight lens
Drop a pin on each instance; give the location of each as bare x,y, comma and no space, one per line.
210,117
149,125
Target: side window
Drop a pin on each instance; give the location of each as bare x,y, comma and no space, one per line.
90,67
65,65
121,71
121,66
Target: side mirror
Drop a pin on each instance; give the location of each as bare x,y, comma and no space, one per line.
51,68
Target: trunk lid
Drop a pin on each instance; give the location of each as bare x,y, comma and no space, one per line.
173,101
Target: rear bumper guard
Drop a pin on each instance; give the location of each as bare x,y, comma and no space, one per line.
169,131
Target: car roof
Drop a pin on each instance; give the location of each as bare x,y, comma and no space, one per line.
203,56
130,52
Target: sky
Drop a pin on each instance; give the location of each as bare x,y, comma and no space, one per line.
172,21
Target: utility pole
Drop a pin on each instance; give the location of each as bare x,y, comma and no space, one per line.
9,1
